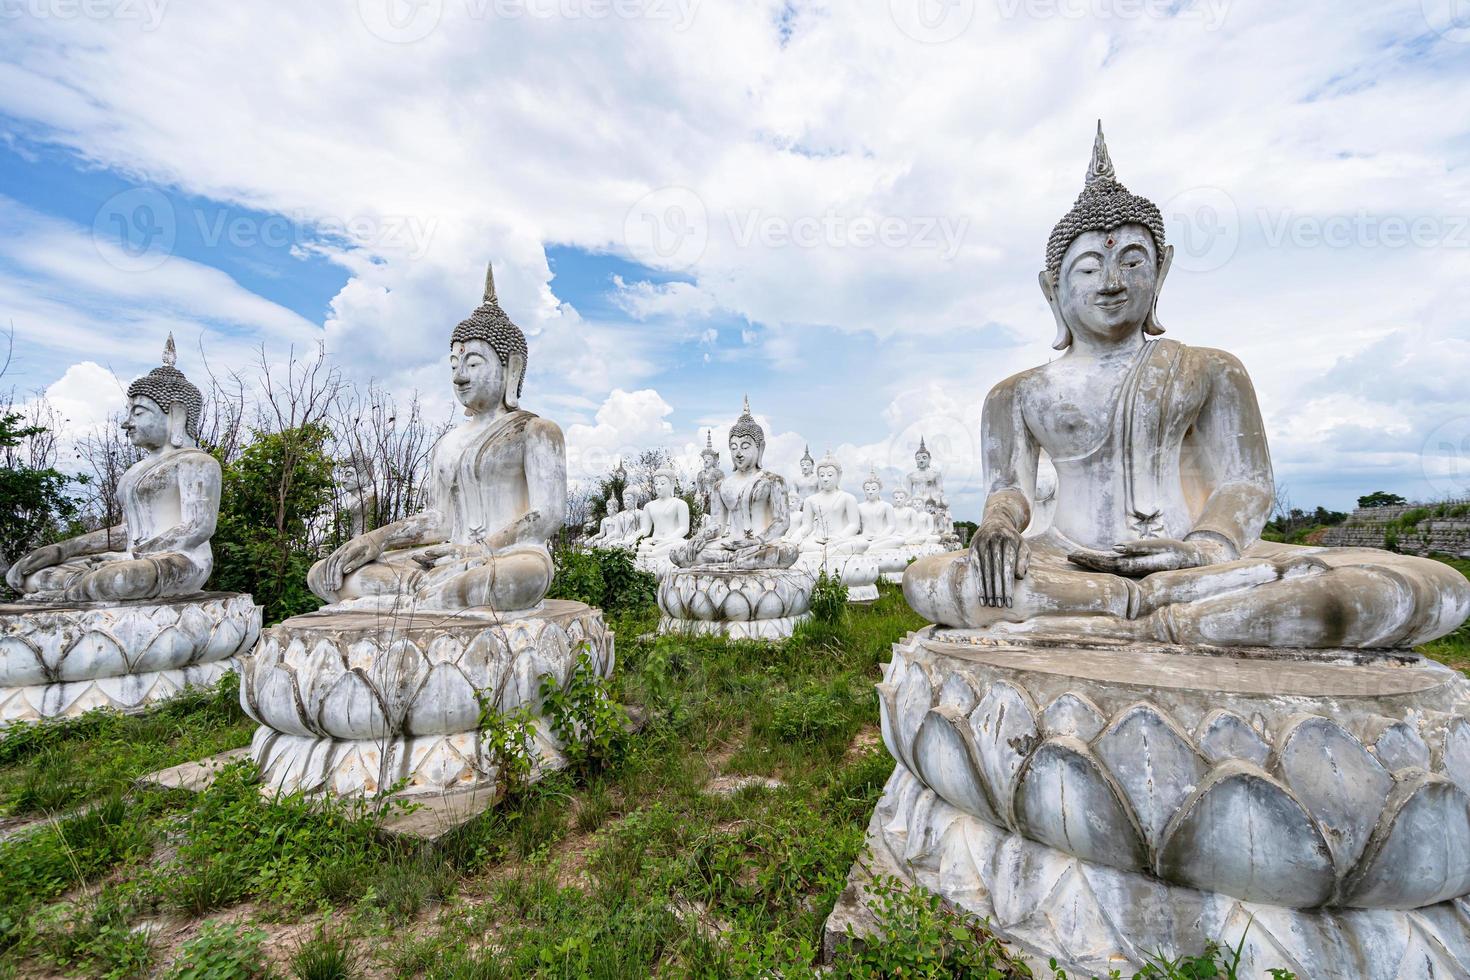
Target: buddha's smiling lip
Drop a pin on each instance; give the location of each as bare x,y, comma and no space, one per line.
1111,305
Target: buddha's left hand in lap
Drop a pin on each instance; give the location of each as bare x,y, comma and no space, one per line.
1145,556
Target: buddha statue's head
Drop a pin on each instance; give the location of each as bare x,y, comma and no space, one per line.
163,406
612,504
1106,259
872,486
829,473
487,357
709,454
355,472
664,480
747,442
807,463
921,455
900,497
632,499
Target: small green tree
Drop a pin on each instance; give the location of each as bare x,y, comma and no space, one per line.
271,496
1381,498
35,504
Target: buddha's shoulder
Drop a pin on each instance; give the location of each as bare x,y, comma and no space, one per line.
1021,383
533,424
1210,361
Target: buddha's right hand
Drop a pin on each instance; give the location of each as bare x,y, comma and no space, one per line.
1001,556
349,558
43,557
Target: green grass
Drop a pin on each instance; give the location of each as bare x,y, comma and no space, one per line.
1453,649
620,867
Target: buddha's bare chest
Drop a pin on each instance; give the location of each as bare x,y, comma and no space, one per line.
461,455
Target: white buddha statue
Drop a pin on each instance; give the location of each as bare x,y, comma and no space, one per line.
170,502
924,482
609,526
663,523
799,524
497,493
903,515
709,477
806,484
832,514
628,530
879,520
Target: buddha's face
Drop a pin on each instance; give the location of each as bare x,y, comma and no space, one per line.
806,467
146,423
921,460
900,498
664,487
827,478
711,462
612,506
630,500
745,453
1107,282
479,377
872,490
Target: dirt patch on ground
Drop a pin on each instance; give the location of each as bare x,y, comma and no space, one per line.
862,743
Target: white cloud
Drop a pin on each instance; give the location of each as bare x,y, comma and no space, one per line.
626,423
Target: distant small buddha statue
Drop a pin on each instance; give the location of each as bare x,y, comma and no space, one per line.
924,482
903,514
663,523
835,524
799,526
748,513
806,484
497,493
1164,481
610,528
879,522
709,477
170,502
627,532
356,481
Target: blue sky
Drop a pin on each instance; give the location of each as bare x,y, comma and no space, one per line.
839,211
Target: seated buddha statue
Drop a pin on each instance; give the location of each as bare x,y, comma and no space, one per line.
628,530
879,523
609,526
747,515
170,503
806,484
1164,482
497,493
834,524
708,478
663,523
799,526
924,482
903,515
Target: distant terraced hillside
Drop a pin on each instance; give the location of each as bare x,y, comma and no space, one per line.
1414,529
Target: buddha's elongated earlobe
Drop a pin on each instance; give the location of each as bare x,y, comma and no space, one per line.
1049,290
178,421
515,370
1151,324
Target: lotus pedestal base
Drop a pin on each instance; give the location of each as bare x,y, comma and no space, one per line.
362,703
757,604
1102,803
61,660
858,572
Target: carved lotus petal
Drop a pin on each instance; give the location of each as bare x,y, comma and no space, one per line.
1340,784
486,662
446,703
197,622
275,703
439,762
1073,714
1065,799
1420,852
1242,833
931,818
737,608
356,770
295,652
94,654
397,676
945,754
888,726
1457,753
914,698
20,663
1225,735
1399,746
1154,764
700,605
351,710
315,675
774,605
718,590
171,648
224,640
1004,727
446,648
957,692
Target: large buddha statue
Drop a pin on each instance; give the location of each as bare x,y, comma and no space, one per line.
170,502
748,513
1163,481
924,482
834,523
806,484
497,493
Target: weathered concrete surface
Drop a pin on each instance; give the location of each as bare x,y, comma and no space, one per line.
195,777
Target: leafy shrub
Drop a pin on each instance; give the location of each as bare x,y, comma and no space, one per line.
585,719
920,937
829,599
578,577
222,951
608,578
325,956
809,714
